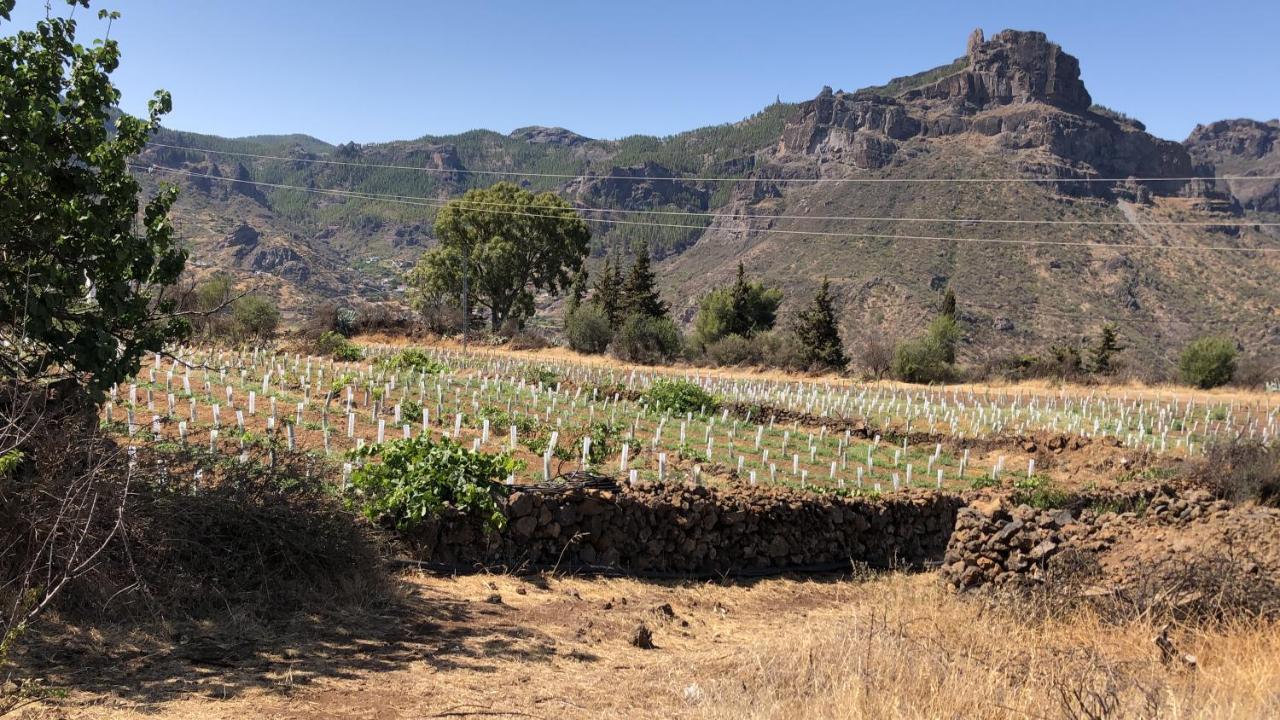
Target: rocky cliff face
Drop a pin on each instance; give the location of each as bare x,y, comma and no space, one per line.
1018,91
1241,147
638,187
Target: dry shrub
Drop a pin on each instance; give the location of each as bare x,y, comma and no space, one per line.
61,502
1242,472
874,355
1211,587
1255,371
526,339
197,534
1204,588
267,535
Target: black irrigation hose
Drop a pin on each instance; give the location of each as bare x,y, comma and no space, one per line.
571,481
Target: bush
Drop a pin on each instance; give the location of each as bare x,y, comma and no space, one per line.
875,356
330,317
743,309
647,340
1208,362
732,350
1255,371
587,329
928,359
920,361
412,359
526,339
679,397
419,477
781,349
255,316
336,346
1244,472
271,538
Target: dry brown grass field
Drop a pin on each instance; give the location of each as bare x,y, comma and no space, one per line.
893,645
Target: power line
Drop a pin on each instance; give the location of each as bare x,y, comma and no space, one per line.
782,231
849,218
922,303
562,176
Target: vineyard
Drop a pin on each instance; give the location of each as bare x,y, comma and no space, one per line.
644,424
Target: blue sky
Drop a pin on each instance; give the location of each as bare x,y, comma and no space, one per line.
395,69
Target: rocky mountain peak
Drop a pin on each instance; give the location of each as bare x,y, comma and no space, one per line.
1015,92
1014,66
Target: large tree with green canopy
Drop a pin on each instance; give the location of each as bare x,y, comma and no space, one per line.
498,247
83,274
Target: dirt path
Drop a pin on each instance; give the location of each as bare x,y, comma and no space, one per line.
540,647
474,644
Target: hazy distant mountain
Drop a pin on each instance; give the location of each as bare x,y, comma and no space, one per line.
1012,107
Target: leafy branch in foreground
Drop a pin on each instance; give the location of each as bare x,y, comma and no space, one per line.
83,274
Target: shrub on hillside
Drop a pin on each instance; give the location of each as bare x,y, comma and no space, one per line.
330,317
417,478
920,361
647,340
679,397
1255,371
526,339
875,356
255,317
732,350
929,358
587,329
781,349
338,347
1208,362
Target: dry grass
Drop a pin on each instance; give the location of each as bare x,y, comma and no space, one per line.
916,652
888,646
1027,388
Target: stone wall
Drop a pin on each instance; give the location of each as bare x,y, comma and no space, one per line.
698,530
998,545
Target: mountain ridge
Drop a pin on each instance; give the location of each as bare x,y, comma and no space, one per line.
1013,105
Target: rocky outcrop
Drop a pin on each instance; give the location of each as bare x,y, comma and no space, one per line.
1241,147
244,185
644,186
539,135
242,240
1013,67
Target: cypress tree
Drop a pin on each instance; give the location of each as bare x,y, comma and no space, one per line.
577,291
740,320
949,304
607,293
1104,349
640,292
819,333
